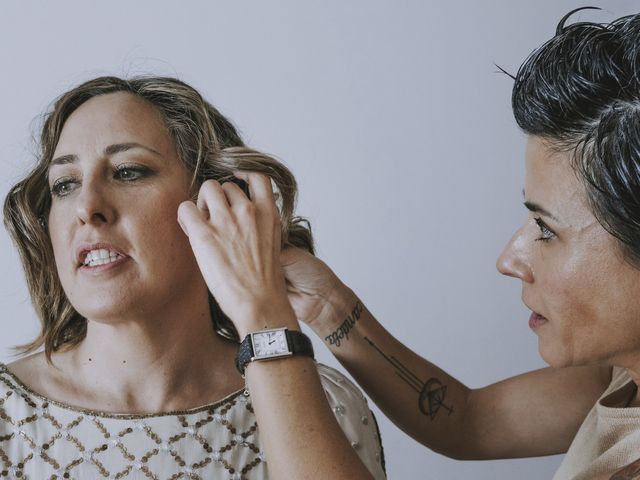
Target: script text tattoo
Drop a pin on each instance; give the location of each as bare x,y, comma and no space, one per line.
342,332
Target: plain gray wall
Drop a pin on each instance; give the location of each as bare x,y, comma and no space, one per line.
390,114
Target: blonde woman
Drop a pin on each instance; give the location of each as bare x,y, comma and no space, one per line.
148,265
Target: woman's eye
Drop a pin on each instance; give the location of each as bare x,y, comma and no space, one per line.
62,187
127,173
546,232
130,173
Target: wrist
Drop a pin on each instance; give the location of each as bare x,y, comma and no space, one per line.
338,304
272,344
346,312
265,317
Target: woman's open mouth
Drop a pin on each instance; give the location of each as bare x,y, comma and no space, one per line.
536,321
97,260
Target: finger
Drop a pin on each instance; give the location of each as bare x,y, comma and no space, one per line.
259,186
213,201
191,218
263,198
243,209
235,195
244,186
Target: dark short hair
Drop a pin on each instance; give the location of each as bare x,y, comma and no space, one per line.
580,91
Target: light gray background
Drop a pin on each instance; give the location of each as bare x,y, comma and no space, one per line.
392,117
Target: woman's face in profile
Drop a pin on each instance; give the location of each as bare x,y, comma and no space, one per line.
116,183
572,271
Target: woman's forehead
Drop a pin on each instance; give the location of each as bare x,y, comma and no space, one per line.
552,183
114,118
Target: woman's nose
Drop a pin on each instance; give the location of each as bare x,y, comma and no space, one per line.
93,206
514,261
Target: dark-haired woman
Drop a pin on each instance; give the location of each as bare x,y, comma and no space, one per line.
141,374
578,258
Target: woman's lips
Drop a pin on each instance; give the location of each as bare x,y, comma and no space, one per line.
98,269
536,321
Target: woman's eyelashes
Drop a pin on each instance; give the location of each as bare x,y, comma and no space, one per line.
546,233
63,186
130,173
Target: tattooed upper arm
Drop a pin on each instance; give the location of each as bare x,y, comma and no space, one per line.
431,393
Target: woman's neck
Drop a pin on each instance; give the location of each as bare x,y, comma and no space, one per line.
172,360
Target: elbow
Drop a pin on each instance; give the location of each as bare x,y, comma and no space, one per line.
455,438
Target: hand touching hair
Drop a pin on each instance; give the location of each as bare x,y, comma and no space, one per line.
209,147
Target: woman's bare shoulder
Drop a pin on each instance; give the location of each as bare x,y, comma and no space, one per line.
35,372
28,365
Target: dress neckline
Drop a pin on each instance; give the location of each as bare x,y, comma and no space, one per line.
113,415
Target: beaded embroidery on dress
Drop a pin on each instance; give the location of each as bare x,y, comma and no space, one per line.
44,439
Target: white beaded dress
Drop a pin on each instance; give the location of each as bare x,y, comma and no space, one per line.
44,439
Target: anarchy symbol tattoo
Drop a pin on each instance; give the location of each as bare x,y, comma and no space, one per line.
431,394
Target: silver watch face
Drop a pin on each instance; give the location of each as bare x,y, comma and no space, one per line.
270,343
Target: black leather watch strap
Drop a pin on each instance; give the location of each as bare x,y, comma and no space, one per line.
298,343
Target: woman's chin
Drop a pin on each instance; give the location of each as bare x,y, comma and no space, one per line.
554,355
105,312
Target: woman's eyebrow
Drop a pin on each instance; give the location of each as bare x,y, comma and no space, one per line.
123,147
534,207
108,151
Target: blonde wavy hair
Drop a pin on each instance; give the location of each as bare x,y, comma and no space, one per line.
208,145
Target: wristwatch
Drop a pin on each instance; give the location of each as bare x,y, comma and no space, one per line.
271,344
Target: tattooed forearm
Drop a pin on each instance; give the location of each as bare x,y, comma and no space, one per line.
342,332
431,394
631,471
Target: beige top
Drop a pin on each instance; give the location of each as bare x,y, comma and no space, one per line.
44,439
609,438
